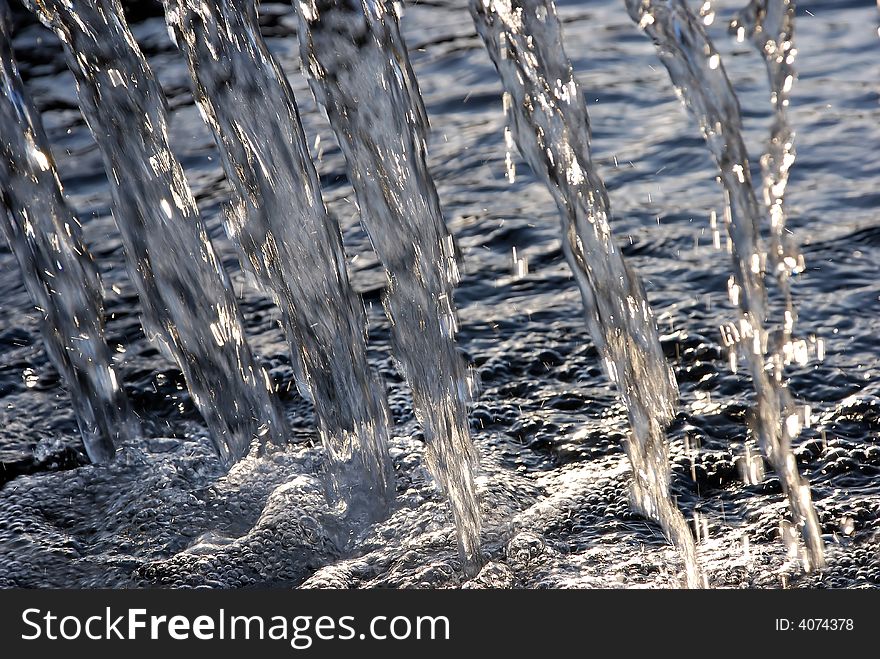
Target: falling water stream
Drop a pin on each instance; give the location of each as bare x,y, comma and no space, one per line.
700,80
289,242
185,295
59,272
769,24
575,465
551,126
361,75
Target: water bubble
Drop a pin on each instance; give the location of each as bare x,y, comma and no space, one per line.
30,377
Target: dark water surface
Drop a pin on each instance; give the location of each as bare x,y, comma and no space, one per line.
548,425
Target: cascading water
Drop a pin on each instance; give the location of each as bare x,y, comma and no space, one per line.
288,241
700,80
360,73
185,294
769,24
58,270
555,481
551,127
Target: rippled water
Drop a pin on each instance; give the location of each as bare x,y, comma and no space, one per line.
553,477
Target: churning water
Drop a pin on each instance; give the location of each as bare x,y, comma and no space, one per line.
582,273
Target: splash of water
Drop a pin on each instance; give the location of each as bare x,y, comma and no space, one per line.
361,74
551,127
700,80
58,270
289,242
185,294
